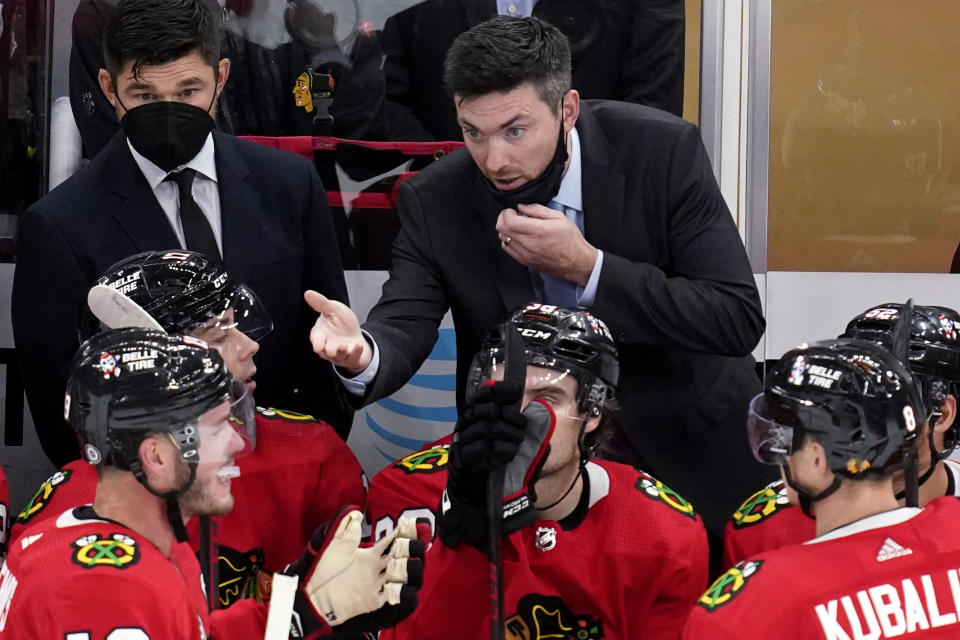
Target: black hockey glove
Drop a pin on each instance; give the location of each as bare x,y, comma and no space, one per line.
483,442
487,436
347,591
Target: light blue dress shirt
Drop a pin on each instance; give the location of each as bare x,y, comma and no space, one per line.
570,196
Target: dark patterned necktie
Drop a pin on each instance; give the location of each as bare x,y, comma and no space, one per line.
196,229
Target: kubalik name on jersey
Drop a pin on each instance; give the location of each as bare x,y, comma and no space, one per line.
891,610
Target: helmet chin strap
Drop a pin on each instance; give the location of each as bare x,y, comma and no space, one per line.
807,497
170,498
901,495
935,455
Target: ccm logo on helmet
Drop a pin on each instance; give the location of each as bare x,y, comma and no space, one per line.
536,334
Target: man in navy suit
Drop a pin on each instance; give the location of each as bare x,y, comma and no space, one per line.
168,181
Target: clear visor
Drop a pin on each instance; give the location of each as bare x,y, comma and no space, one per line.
770,440
227,431
242,311
243,416
547,379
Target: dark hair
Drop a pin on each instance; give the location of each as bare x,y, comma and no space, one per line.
609,421
505,52
152,32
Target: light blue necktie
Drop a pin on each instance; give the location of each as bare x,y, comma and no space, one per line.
557,290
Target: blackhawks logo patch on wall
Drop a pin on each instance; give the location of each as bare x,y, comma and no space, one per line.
761,505
541,617
41,498
426,461
656,490
117,550
729,585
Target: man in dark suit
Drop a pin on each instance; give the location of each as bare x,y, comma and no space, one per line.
628,50
165,182
658,259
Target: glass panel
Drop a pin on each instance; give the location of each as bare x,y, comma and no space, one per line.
864,136
370,71
23,108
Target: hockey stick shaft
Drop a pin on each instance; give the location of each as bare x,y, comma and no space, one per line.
494,507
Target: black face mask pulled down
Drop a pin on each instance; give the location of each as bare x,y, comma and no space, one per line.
541,189
168,134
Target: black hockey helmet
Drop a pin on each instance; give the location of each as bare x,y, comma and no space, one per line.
855,398
934,351
558,338
128,383
183,290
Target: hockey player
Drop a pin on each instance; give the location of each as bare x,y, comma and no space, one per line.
299,473
841,417
161,418
769,519
591,549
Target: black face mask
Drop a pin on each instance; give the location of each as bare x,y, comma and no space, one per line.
541,189
168,134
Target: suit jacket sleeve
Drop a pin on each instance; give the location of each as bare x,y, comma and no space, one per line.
708,301
395,40
48,293
322,271
404,322
652,68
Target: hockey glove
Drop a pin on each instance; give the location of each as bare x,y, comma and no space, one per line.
352,589
487,437
463,515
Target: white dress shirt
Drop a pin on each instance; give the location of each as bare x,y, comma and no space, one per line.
205,191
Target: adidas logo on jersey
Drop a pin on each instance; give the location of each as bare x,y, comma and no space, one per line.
890,550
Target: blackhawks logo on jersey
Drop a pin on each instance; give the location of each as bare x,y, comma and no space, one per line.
541,617
118,551
289,416
240,575
41,498
761,505
729,585
426,461
653,488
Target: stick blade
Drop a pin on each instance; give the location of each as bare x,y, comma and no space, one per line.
117,311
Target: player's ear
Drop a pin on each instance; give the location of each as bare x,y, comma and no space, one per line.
159,460
948,414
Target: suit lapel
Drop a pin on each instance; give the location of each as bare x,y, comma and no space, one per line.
602,182
138,213
241,210
512,278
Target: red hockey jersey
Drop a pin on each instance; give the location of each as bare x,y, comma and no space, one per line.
888,575
81,578
297,478
767,520
630,569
